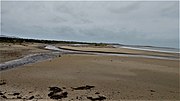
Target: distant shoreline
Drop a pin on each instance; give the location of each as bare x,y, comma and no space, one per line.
5,38
34,58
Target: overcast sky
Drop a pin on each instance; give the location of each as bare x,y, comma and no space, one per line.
142,23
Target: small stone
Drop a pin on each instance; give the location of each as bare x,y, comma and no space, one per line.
1,93
16,94
32,97
4,97
30,92
99,98
97,93
19,97
83,87
2,82
152,90
55,89
59,96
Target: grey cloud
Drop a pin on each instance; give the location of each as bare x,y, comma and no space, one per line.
58,19
171,11
150,23
127,9
64,30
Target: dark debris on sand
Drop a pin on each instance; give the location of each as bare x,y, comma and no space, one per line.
83,87
59,96
152,91
55,89
3,96
99,98
2,82
30,98
1,93
97,93
19,97
16,94
57,93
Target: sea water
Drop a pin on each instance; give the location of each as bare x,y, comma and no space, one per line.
151,48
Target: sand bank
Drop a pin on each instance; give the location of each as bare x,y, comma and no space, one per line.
114,77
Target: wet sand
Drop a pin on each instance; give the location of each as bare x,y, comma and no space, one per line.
120,51
113,77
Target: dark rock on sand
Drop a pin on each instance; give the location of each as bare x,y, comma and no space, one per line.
79,98
19,97
97,93
152,91
59,96
56,93
30,91
64,94
32,97
55,89
2,82
99,98
1,93
3,96
83,87
55,97
16,94
51,94
38,96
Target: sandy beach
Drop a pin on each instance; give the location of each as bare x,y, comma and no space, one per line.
93,77
12,51
90,50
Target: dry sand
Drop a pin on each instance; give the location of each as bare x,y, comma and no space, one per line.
10,51
114,77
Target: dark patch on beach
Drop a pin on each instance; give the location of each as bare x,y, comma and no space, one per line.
58,96
16,94
83,87
97,93
51,94
2,82
55,89
3,96
30,91
152,91
57,93
99,98
1,93
30,98
19,97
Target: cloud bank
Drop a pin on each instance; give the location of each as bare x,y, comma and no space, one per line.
141,23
